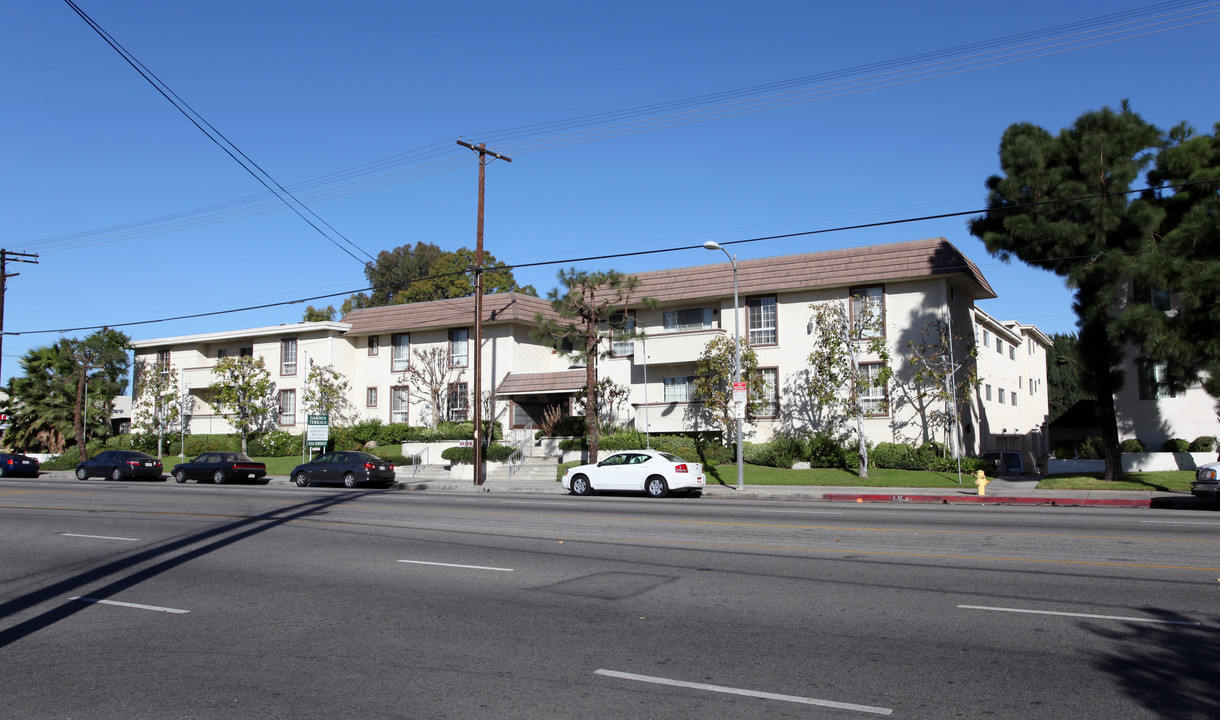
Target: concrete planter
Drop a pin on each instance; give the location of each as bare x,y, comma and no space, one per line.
549,447
1134,462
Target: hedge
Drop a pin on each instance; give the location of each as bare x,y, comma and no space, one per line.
494,453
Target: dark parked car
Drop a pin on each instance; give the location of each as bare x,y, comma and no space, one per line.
349,468
120,464
219,467
17,465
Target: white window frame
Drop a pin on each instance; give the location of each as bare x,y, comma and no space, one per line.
680,388
459,359
400,402
687,320
873,399
400,352
762,320
370,397
457,402
288,407
288,356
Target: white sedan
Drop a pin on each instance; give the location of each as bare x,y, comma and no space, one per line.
656,473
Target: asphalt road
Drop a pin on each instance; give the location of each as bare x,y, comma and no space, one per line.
157,600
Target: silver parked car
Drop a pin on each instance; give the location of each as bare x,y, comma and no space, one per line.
1206,485
650,471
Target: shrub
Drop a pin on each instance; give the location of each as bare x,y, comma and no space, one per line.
1131,445
494,453
825,451
364,431
393,434
563,468
274,443
897,456
199,444
1176,445
1202,444
755,453
1091,448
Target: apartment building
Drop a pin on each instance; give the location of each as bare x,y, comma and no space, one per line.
910,286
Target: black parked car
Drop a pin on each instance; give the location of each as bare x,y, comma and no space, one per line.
120,464
17,465
219,467
349,468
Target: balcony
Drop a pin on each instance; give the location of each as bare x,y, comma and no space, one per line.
197,378
671,348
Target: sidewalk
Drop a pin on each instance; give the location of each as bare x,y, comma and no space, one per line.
1002,491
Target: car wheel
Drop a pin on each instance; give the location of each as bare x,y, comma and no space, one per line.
349,480
581,486
116,474
655,487
82,474
301,479
218,477
180,476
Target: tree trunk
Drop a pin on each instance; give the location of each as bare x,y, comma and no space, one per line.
1108,420
591,396
78,414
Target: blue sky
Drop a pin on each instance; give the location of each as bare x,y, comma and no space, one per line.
311,89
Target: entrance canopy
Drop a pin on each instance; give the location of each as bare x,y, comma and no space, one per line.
564,382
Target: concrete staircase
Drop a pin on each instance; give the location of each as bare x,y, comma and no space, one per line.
539,468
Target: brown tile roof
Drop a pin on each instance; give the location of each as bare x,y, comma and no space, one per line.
832,268
498,308
542,383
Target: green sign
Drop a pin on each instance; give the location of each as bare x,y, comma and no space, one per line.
317,431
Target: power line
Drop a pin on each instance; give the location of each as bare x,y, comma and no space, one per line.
638,253
439,158
262,176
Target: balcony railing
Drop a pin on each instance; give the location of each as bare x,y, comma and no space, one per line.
681,347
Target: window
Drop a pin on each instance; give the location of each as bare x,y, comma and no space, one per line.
988,393
1012,397
760,315
288,357
679,389
1012,352
1031,387
622,324
400,352
1001,395
1030,346
868,311
459,344
1020,382
374,345
288,407
768,404
686,320
221,353
1161,300
370,397
399,400
1152,382
458,407
163,362
999,346
246,351
873,398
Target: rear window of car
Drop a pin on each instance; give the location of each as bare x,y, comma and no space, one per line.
363,457
671,458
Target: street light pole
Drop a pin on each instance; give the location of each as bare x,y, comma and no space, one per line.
713,245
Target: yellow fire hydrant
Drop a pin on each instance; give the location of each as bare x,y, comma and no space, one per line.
980,479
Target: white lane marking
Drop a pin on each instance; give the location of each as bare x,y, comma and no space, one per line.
467,567
803,512
1078,615
100,537
131,605
1179,522
748,693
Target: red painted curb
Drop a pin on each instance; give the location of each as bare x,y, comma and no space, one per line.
986,500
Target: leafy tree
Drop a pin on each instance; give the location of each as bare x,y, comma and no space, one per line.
1185,268
1062,204
591,305
326,394
1063,386
313,314
838,377
157,405
940,381
424,272
99,365
243,387
40,401
714,385
431,373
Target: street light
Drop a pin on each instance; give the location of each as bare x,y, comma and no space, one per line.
713,245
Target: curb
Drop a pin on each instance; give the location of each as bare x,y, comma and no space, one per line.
988,500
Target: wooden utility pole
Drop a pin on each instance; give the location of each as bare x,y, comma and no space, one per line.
477,400
5,257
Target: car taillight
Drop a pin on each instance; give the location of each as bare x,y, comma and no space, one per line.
369,466
9,461
133,462
390,466
680,468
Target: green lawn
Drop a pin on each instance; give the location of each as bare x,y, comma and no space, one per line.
877,477
1165,481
